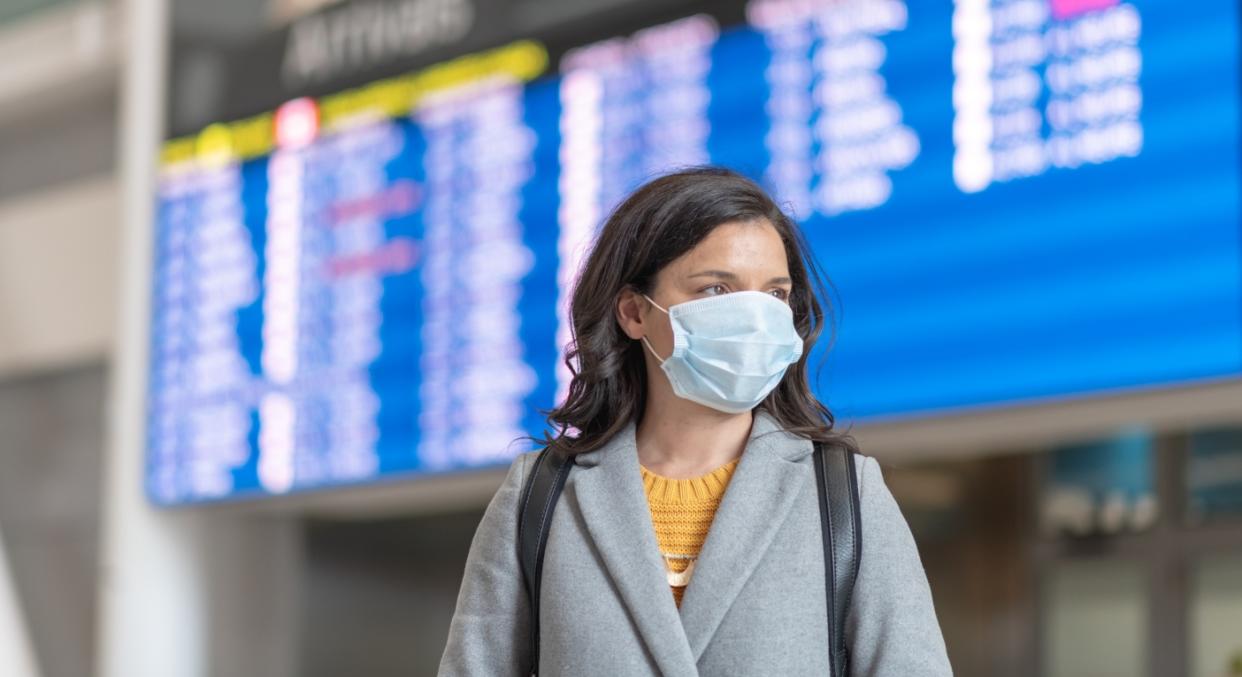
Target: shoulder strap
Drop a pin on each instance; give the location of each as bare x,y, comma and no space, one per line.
839,519
539,497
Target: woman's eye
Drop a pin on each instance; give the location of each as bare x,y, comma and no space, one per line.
780,294
715,289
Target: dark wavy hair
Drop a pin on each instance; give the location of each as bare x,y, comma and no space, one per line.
661,220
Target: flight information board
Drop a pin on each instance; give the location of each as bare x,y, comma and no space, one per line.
1016,200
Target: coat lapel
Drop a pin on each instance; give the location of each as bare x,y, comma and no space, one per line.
756,502
610,494
614,507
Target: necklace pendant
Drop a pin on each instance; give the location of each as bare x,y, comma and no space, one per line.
680,578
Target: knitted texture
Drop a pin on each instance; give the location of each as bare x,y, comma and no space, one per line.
682,512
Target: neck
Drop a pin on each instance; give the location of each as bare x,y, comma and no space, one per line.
682,439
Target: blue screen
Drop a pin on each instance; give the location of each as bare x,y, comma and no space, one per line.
1014,200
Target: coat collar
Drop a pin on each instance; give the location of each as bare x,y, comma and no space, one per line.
765,430
760,494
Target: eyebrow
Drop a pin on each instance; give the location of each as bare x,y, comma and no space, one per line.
726,275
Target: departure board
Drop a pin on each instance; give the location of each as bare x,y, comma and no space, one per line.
1016,200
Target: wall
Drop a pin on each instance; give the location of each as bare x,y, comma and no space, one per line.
51,431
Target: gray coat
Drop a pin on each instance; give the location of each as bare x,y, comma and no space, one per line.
756,604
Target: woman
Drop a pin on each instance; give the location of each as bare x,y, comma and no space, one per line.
687,540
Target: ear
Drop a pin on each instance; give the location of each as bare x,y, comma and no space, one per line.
631,308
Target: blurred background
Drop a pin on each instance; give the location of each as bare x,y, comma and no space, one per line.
283,283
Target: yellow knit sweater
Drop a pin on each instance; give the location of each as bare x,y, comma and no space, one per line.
682,511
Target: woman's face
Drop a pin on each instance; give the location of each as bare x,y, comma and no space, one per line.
736,256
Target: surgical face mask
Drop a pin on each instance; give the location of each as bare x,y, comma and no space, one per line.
731,350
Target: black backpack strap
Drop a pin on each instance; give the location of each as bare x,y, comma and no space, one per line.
839,518
543,488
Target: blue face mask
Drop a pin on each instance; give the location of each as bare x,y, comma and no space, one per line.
731,350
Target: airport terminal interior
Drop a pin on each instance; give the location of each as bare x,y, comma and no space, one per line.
284,286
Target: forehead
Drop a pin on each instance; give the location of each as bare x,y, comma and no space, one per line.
741,247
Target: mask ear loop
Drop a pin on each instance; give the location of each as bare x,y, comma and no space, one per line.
644,337
655,304
653,352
